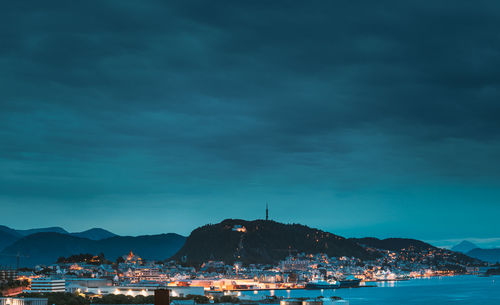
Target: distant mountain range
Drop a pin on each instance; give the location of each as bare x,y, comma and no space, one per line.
46,245
464,247
8,236
95,234
472,250
487,255
41,230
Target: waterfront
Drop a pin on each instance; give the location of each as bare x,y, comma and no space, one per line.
466,289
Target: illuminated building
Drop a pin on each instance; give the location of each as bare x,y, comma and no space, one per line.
23,301
47,285
131,258
8,274
239,228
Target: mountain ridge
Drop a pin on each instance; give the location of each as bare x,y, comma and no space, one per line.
488,255
27,232
95,234
35,247
464,246
8,236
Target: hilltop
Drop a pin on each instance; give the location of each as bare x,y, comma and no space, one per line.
95,234
464,247
262,241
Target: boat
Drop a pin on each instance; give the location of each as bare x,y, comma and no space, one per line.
349,283
317,284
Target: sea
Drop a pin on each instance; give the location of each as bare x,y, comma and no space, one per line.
461,290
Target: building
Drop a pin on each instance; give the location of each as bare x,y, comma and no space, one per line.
145,290
83,284
239,228
132,258
47,285
23,301
8,274
162,297
294,264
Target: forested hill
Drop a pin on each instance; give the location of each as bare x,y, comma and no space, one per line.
417,251
393,244
262,241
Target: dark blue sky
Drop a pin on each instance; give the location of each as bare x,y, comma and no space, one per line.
364,118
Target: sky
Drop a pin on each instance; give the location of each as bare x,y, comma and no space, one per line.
362,118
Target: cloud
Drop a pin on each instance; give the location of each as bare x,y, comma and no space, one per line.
132,99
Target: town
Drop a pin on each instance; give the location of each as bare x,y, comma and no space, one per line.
94,276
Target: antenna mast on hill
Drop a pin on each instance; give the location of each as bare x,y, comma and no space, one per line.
267,212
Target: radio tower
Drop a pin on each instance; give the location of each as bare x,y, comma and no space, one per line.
267,212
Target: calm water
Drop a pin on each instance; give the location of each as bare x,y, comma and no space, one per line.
445,290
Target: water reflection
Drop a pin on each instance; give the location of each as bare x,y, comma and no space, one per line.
462,290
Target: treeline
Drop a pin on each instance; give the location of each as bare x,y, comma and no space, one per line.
84,258
123,299
12,284
59,298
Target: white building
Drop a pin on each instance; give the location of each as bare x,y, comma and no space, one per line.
23,301
47,285
144,290
294,264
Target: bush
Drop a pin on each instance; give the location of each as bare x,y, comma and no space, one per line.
59,298
123,299
227,299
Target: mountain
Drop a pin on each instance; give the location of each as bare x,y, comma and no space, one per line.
393,244
8,236
464,247
94,234
262,241
41,230
47,247
487,255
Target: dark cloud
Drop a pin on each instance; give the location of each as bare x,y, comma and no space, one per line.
197,102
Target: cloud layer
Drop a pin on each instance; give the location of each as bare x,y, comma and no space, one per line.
205,110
